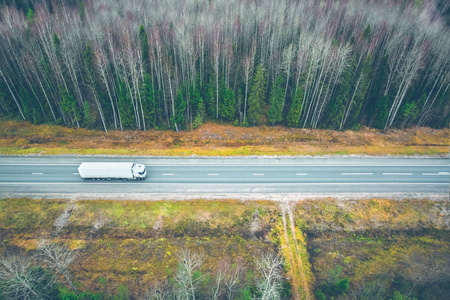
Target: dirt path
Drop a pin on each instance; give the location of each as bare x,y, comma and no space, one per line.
293,251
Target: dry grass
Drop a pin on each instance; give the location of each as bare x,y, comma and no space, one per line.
375,214
135,242
220,140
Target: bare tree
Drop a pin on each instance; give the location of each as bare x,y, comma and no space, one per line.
247,65
288,56
270,269
217,289
58,258
187,283
21,279
233,279
159,291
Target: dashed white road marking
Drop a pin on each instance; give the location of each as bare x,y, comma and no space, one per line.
213,174
357,174
258,174
398,174
301,174
37,173
76,173
168,174
436,174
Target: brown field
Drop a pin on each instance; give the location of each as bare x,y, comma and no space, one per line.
135,243
17,138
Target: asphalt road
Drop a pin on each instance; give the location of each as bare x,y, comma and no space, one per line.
231,176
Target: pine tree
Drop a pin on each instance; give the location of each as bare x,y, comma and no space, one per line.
148,101
125,106
144,48
30,20
210,98
180,109
69,105
362,85
293,117
257,96
200,115
336,109
58,49
82,11
88,64
275,113
27,104
375,94
381,107
228,103
88,116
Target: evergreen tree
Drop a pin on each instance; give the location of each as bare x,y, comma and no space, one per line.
88,64
228,103
257,96
180,109
197,107
58,49
336,109
125,106
148,101
358,99
5,107
200,115
88,116
382,109
69,105
82,11
27,105
368,33
275,113
144,48
375,94
30,20
210,98
293,117
196,99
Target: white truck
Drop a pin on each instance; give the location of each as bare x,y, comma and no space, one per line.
112,170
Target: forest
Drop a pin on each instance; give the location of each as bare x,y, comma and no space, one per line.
140,64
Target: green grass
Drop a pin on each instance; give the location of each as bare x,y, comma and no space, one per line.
27,215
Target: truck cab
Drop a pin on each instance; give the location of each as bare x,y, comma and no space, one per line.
139,171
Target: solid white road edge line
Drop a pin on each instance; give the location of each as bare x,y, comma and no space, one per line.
233,165
201,183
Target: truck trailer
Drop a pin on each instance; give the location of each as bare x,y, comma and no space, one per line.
112,170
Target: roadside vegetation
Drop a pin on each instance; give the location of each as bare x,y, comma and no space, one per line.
220,140
355,249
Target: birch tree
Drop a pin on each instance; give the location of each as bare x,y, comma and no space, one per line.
58,258
270,270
